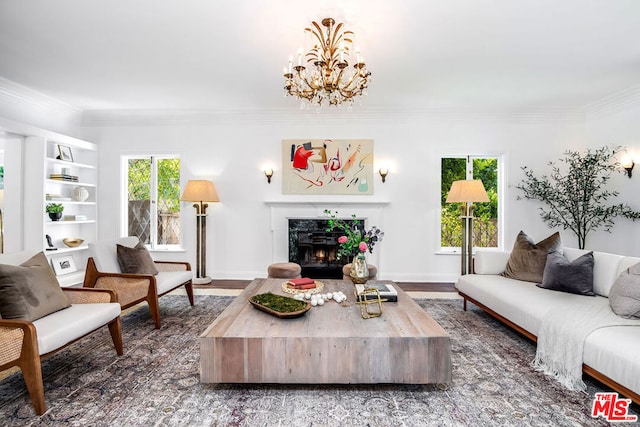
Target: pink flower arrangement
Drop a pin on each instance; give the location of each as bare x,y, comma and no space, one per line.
355,238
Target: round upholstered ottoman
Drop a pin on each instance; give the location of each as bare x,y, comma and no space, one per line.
284,270
346,271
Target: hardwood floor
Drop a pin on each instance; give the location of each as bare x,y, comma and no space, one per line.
406,286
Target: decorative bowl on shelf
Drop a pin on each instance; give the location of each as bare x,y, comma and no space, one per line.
72,242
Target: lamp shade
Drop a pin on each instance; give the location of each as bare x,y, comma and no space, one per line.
200,190
467,190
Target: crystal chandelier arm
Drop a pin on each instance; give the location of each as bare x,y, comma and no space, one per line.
349,82
305,93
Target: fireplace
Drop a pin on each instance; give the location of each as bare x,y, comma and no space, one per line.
315,248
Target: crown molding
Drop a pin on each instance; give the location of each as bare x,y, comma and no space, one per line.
614,103
20,94
98,118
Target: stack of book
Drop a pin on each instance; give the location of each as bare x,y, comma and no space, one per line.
387,291
75,218
303,283
63,177
57,198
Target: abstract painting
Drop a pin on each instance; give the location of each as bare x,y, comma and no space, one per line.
327,166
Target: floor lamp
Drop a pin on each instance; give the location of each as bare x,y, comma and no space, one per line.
467,192
200,191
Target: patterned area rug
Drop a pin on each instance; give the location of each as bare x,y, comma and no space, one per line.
156,382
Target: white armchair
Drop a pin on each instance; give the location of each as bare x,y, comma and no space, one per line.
104,272
25,343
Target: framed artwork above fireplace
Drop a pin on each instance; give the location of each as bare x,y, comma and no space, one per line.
327,166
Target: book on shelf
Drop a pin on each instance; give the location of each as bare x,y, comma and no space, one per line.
57,198
63,177
74,218
386,290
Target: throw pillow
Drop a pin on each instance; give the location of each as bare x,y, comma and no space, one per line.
30,291
527,259
562,275
136,260
624,296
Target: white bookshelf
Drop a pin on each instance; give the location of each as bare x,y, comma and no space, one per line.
41,154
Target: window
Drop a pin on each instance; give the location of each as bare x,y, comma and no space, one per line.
152,200
487,217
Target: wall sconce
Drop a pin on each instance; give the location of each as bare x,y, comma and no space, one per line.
628,166
268,173
383,174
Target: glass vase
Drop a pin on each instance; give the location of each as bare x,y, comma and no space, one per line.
359,270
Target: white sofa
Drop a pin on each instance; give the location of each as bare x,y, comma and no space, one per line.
611,355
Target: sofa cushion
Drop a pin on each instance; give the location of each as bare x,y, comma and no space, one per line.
490,262
136,260
30,291
522,302
527,259
613,351
169,280
62,327
624,296
563,275
605,268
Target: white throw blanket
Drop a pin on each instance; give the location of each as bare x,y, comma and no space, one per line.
562,335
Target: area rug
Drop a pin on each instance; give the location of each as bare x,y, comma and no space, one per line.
156,382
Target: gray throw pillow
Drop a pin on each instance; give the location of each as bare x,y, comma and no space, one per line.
527,259
575,276
136,260
30,291
624,296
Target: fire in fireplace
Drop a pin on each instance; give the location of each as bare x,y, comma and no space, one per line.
315,249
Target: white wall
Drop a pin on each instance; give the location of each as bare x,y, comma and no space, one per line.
232,150
616,120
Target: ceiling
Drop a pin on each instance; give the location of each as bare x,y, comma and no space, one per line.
229,54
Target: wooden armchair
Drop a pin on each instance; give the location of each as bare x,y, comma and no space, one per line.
26,343
103,272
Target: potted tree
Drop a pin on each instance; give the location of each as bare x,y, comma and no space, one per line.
576,196
55,211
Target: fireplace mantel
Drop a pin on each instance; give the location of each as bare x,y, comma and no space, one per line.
325,204
282,210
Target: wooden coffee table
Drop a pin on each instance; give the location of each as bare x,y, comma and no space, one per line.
331,344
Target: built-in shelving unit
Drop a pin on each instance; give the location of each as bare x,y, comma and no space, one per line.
44,154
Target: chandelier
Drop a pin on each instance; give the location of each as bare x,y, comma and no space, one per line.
334,75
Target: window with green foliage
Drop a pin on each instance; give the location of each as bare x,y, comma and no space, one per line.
153,200
486,222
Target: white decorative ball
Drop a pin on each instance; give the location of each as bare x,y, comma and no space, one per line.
320,301
314,302
307,295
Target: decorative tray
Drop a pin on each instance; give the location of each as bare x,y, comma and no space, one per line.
319,286
280,306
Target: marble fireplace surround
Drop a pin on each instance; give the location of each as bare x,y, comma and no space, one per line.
281,211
